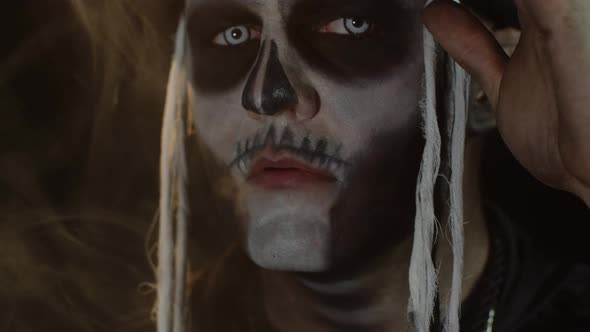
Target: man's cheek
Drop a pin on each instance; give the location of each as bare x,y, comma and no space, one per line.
358,125
218,126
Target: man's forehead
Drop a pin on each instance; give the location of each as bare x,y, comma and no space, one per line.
190,4
286,5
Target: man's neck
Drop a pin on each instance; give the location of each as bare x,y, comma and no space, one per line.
375,297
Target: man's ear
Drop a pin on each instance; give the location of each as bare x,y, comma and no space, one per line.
481,117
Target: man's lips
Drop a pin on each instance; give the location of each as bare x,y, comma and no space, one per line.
286,172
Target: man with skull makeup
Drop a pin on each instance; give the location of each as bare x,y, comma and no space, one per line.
342,127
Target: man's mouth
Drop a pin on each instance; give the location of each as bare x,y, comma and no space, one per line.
286,171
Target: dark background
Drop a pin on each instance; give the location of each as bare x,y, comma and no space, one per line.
78,185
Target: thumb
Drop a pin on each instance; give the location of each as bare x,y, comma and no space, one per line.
469,42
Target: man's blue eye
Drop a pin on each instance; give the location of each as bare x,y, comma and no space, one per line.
355,26
236,35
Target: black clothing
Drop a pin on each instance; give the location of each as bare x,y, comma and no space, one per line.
528,289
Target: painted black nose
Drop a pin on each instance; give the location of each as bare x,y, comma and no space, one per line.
268,90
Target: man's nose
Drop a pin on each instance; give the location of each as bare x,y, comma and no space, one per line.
269,91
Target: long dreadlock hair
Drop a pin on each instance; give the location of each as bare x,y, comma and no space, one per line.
171,311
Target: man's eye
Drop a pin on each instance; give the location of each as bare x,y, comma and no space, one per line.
236,35
355,26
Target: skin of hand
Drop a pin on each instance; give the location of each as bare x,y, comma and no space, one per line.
540,95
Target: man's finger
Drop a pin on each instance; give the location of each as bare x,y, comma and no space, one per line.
468,41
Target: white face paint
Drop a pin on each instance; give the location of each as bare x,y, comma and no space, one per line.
312,105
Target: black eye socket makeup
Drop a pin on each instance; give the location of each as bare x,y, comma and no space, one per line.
207,20
386,30
222,55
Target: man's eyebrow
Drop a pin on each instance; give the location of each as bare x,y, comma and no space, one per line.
207,17
321,8
220,6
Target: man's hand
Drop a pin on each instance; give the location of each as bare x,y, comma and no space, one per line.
541,95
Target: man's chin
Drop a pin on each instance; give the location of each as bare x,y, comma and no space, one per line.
289,229
290,243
